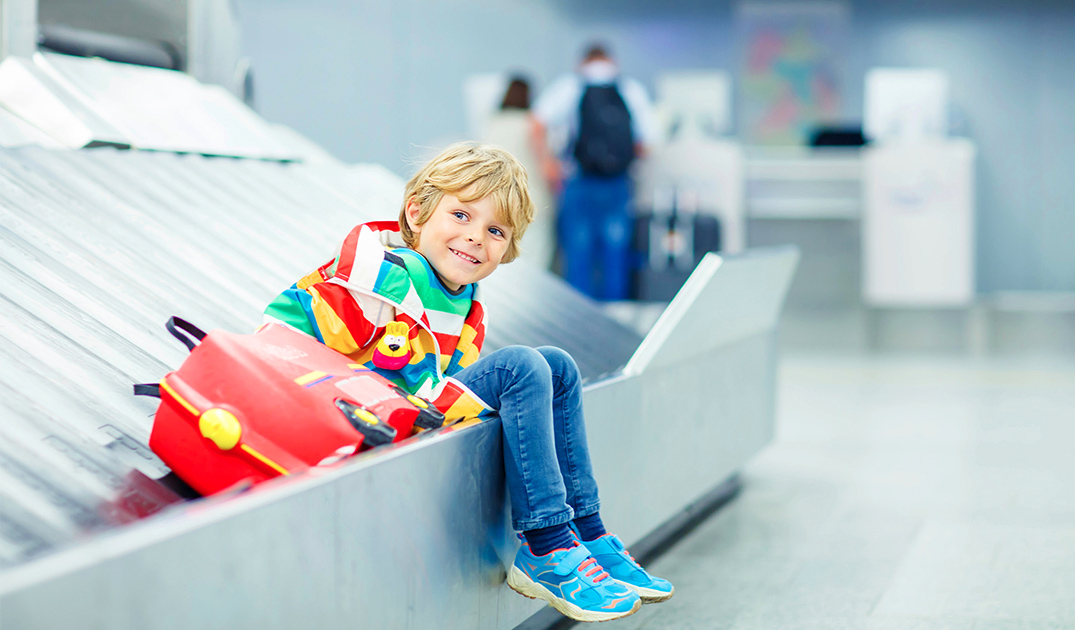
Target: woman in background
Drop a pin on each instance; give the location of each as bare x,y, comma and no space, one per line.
509,128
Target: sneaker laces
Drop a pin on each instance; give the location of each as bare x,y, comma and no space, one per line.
594,569
636,563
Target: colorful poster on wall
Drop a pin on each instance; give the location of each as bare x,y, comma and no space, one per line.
790,69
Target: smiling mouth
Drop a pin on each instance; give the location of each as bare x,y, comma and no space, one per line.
469,259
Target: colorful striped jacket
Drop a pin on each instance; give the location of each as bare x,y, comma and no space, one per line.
367,304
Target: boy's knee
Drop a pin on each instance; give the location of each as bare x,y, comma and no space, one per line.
560,361
524,360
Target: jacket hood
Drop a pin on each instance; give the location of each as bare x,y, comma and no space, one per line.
359,262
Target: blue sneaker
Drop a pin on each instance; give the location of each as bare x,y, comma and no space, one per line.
573,583
610,554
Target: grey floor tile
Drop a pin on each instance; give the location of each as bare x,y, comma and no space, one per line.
987,571
901,493
1022,624
920,623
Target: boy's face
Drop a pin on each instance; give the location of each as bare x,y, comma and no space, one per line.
464,242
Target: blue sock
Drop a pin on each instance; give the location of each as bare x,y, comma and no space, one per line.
590,527
547,539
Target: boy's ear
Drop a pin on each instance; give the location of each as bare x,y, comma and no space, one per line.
413,212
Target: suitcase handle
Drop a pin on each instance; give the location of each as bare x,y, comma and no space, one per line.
176,324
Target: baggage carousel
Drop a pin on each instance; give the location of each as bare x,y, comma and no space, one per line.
102,241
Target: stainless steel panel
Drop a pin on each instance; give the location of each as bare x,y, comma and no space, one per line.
301,555
16,132
30,93
82,102
692,425
529,306
204,33
704,314
164,110
148,20
18,27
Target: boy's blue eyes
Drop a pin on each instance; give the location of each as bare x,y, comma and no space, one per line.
462,216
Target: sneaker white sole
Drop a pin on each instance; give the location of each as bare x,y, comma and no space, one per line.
522,584
650,595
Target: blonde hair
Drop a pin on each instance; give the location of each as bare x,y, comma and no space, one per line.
471,171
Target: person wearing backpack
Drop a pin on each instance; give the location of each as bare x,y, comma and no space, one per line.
607,120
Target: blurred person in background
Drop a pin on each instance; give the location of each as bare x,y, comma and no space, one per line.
509,128
609,120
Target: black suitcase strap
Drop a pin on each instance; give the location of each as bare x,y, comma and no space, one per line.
185,332
147,389
188,334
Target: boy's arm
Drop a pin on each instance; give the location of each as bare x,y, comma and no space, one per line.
291,308
329,313
338,318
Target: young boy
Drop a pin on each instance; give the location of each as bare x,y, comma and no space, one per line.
413,314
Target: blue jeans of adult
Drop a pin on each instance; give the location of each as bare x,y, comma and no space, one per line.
595,235
538,395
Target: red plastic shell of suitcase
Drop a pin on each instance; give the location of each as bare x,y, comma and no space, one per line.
254,407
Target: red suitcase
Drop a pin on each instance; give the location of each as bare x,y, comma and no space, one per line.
254,407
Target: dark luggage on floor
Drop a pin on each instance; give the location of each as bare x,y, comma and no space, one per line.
668,246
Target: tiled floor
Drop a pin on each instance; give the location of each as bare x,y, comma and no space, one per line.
901,493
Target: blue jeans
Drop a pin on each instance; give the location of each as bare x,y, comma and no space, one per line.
538,395
595,233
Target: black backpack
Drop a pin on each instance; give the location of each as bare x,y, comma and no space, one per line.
605,144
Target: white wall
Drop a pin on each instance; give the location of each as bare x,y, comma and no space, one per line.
1012,77
380,81
374,81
